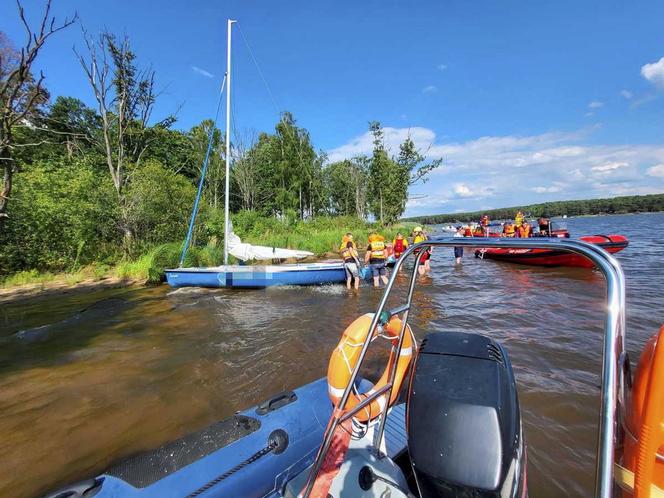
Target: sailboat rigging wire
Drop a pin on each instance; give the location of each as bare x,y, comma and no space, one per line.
206,161
260,72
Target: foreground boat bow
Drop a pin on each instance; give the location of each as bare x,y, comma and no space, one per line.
463,437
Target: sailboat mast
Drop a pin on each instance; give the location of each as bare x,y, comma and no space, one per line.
228,142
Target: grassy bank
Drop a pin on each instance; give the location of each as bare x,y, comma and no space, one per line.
320,236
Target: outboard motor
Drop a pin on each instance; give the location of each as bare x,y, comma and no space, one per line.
463,421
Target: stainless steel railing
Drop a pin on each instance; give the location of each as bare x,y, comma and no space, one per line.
613,382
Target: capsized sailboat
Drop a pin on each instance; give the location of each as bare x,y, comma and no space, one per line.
246,276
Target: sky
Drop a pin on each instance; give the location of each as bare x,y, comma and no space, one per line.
525,101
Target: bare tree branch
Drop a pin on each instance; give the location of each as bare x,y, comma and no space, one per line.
20,95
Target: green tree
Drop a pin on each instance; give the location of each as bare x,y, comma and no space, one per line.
158,203
346,183
62,213
390,177
125,97
21,94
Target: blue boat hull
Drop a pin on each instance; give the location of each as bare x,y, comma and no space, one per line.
173,476
236,276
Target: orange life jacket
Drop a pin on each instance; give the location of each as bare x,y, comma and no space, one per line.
509,231
524,230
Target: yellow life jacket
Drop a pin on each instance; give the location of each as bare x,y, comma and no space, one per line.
377,247
509,230
420,237
518,219
344,250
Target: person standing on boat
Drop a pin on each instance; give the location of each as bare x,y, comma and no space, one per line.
519,219
484,223
544,226
458,251
375,257
525,230
348,252
399,244
509,229
423,258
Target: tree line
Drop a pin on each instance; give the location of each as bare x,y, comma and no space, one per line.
100,183
615,205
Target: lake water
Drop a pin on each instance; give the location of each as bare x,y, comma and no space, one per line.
90,378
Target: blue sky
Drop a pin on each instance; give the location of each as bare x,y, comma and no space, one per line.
525,101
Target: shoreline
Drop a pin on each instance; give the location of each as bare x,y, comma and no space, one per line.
56,287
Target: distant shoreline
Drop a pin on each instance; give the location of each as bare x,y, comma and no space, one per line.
636,204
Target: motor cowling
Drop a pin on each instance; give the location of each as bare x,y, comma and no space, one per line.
463,421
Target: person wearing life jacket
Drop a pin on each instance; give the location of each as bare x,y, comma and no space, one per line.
544,226
423,259
519,219
376,257
484,220
479,231
509,230
399,245
525,230
348,252
467,231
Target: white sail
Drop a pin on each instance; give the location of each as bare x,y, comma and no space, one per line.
245,252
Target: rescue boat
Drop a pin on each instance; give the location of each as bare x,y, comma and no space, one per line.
554,257
458,432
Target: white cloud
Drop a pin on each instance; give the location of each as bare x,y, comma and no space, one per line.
627,94
643,100
430,89
595,104
657,171
441,67
393,137
612,166
546,190
654,72
510,170
462,190
589,114
202,72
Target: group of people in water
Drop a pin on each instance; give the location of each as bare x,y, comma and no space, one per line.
379,253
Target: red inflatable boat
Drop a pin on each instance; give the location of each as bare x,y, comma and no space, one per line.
549,257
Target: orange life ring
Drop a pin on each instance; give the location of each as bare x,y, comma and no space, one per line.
345,356
644,441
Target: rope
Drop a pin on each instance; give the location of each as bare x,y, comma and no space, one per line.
194,211
248,461
260,73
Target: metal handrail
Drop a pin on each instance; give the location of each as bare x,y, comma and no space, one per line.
613,346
